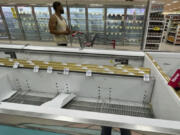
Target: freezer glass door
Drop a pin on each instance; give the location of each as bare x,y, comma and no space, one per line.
78,19
134,26
42,17
96,23
115,25
12,22
28,23
3,32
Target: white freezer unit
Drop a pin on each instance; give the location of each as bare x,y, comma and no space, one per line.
85,56
42,98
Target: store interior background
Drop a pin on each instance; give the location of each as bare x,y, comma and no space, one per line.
123,39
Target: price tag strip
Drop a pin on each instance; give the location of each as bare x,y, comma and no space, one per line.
86,68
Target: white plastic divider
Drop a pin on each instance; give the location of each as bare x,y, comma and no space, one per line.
165,101
5,87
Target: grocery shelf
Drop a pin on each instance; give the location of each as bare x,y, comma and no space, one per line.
156,21
155,36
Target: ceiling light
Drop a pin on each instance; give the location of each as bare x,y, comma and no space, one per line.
168,4
175,1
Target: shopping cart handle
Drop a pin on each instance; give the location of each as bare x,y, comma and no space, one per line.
74,34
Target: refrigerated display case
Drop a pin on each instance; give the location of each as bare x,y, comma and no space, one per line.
78,19
115,24
28,23
134,25
12,22
42,17
3,32
96,23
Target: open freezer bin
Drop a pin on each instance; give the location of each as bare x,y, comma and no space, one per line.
106,98
109,98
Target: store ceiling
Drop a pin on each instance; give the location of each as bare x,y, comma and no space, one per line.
49,2
169,5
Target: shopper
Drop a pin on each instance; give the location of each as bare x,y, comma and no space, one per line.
58,26
107,131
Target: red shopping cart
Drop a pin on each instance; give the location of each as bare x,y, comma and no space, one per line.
82,37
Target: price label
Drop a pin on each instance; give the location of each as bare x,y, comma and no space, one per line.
136,69
130,73
36,69
64,64
10,60
66,71
106,69
49,69
1,64
146,77
16,64
84,68
30,62
100,66
78,65
142,72
125,70
88,73
118,67
46,62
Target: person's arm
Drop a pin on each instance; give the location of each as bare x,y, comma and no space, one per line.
52,27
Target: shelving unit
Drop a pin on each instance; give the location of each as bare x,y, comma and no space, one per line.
173,36
155,31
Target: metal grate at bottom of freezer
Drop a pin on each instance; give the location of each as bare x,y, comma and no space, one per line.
130,110
26,97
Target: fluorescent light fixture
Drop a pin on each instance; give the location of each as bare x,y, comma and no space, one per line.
96,5
168,4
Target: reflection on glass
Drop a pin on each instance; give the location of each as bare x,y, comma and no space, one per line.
65,12
42,17
3,32
12,22
134,26
28,23
78,19
96,20
115,24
